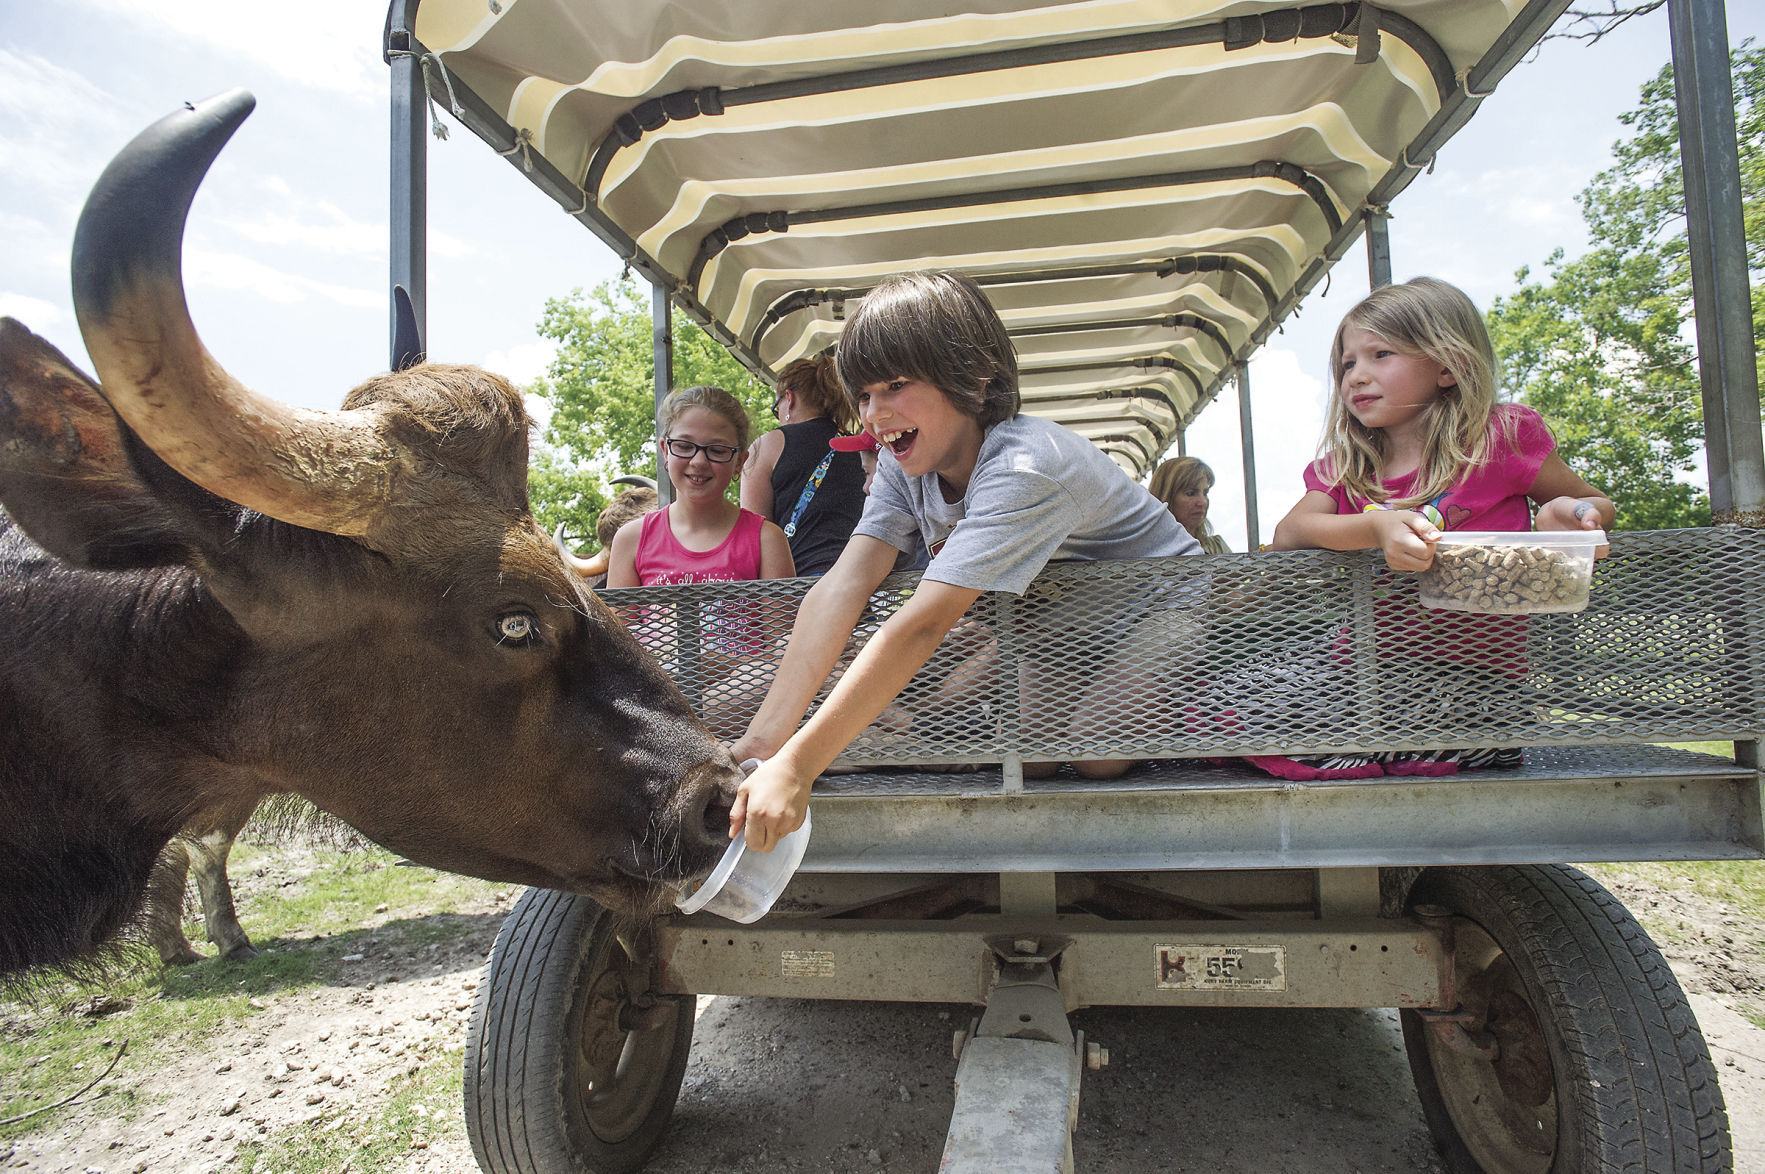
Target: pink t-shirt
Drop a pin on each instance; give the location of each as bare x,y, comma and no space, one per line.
661,560
1492,496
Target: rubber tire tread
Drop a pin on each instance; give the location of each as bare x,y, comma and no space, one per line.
1622,1036
515,1045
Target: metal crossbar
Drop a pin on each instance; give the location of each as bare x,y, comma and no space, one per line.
1300,652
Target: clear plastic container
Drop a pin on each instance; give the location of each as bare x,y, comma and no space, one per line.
745,884
1511,573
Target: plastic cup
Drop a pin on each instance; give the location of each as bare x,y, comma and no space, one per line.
745,884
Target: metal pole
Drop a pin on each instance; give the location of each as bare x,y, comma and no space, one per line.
1247,443
662,330
410,179
1182,442
1716,235
1378,248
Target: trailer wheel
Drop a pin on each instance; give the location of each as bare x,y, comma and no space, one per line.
1572,1048
572,1066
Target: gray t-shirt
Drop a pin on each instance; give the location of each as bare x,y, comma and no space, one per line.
1038,493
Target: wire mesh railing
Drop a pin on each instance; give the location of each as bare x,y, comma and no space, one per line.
1291,653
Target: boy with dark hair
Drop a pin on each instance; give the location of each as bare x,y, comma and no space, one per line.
995,495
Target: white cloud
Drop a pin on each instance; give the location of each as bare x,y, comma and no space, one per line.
34,249
55,126
36,313
321,226
447,245
539,410
331,45
523,363
232,271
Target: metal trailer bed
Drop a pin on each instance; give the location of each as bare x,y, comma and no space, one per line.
1146,190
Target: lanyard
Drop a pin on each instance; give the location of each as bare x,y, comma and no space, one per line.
814,483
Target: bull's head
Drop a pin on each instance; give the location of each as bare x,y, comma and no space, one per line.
401,642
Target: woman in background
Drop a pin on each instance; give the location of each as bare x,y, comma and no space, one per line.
794,479
1182,485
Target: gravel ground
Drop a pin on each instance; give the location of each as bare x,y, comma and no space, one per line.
787,1084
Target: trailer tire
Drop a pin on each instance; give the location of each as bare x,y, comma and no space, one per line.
564,1072
1598,1063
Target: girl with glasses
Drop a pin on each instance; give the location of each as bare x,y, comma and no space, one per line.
703,537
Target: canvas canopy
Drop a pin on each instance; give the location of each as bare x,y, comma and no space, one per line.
1146,189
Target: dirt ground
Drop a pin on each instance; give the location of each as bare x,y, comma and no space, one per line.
786,1084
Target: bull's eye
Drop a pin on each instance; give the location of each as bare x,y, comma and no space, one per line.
517,627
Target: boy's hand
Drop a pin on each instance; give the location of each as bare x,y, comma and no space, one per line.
1406,537
751,746
769,805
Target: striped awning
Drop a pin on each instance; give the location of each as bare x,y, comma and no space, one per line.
1145,189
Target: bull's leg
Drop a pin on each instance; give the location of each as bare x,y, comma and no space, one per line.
163,918
208,863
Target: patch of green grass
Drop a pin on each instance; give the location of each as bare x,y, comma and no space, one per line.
1719,749
74,1029
423,1109
1738,884
343,892
50,1049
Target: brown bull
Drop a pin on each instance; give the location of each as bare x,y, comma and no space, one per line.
207,596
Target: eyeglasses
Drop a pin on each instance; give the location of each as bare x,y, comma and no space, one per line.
776,400
686,450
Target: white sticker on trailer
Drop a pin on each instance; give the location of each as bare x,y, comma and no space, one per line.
806,963
1221,968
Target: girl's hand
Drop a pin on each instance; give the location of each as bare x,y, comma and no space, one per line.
1406,537
769,805
1572,513
1569,513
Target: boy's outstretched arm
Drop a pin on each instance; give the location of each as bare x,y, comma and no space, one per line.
771,802
824,622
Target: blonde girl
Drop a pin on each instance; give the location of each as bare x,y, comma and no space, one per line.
1415,444
1183,484
703,537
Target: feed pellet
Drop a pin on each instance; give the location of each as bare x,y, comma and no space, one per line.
1506,579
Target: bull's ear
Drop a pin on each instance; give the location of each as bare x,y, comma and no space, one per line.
65,473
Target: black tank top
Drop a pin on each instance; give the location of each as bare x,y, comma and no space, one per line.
828,519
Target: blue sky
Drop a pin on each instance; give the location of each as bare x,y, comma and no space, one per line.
285,256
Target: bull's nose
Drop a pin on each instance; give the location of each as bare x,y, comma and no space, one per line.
712,786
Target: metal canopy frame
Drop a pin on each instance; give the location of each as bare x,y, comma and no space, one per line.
805,318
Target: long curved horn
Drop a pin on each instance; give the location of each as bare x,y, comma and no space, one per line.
634,479
322,470
586,567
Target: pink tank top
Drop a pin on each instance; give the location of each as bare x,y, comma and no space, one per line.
662,560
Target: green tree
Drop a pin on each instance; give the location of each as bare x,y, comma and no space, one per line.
602,391
1603,348
563,492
